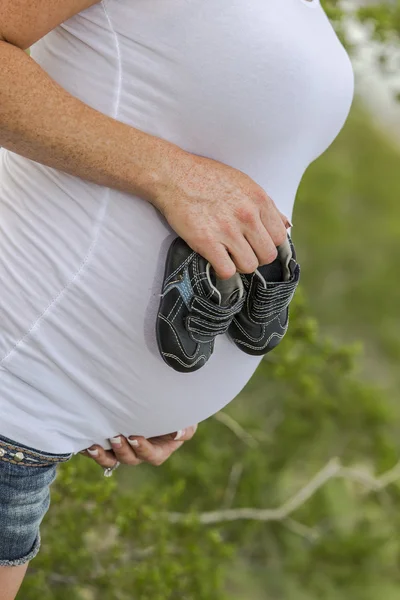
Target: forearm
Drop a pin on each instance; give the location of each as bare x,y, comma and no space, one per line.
43,122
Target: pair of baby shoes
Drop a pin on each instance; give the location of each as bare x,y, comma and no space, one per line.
196,306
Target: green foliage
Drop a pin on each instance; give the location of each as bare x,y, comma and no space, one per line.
348,207
382,17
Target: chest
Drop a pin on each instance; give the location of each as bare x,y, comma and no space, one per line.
262,68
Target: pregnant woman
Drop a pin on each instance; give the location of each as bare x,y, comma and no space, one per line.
131,122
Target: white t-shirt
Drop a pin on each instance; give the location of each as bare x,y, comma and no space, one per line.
264,86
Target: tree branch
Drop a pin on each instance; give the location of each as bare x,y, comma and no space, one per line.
234,478
333,469
309,533
268,514
237,429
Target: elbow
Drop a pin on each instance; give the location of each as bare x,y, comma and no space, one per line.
4,40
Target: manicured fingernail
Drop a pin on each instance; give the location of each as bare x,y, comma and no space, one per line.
116,441
179,435
134,443
93,452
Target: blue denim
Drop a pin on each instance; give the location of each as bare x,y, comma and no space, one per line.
25,478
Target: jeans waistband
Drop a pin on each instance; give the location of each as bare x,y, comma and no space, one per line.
14,452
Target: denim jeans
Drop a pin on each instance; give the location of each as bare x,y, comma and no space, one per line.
25,478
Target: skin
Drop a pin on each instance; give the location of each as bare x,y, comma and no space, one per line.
43,122
10,581
154,450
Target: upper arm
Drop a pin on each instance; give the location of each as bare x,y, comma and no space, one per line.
24,22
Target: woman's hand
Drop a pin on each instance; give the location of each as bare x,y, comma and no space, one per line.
135,449
221,213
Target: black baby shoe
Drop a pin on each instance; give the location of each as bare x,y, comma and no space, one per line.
195,307
264,318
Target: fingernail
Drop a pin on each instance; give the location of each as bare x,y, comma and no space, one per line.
116,441
134,443
93,452
290,223
179,435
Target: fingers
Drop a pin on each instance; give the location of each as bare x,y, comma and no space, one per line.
105,458
256,244
135,449
274,226
261,241
183,435
250,237
154,451
220,259
121,451
124,451
158,449
288,224
243,255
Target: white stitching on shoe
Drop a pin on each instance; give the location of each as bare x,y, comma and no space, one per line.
195,339
240,342
218,312
181,266
249,337
172,309
202,357
177,338
281,305
286,324
177,310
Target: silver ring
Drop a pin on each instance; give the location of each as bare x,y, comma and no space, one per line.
109,470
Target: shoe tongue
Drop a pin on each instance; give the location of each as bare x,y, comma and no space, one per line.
225,292
278,270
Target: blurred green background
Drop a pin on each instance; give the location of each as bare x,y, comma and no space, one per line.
313,439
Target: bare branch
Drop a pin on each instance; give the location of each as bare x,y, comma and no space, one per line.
234,478
368,480
360,475
390,476
333,469
330,470
310,534
237,429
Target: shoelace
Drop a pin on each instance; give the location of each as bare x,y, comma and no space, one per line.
210,320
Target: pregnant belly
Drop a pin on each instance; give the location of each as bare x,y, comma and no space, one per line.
79,359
